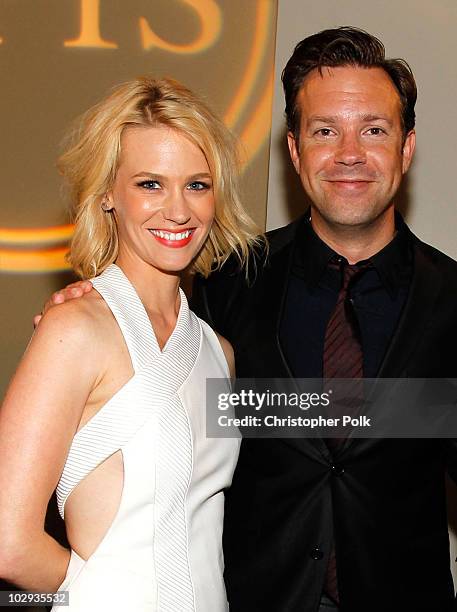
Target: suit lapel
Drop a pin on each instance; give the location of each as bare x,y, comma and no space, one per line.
315,447
418,311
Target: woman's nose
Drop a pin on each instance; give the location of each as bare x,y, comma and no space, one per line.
177,209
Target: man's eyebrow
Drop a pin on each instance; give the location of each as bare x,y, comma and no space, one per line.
321,119
331,119
373,117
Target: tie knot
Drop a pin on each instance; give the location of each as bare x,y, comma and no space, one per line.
352,271
349,272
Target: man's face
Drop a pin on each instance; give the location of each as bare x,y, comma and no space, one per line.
350,155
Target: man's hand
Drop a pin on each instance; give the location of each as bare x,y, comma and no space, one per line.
75,290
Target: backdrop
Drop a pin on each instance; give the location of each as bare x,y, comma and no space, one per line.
57,57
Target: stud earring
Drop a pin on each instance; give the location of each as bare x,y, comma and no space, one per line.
106,206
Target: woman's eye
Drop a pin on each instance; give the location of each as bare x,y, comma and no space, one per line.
151,185
198,186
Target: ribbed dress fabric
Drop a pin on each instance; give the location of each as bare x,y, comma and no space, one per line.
163,551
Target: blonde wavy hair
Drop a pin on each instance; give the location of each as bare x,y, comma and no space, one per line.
91,160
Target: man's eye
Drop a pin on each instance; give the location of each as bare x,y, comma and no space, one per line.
375,131
151,185
325,132
198,186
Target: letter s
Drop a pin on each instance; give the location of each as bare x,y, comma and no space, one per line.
325,399
211,23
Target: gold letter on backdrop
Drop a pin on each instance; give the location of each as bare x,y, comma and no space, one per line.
89,35
211,22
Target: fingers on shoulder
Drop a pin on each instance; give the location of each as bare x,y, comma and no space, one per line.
75,290
68,293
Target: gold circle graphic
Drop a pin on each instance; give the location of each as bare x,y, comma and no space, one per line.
44,249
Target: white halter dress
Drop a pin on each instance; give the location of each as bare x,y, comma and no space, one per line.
163,551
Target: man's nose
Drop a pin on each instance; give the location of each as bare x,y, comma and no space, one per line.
350,150
176,208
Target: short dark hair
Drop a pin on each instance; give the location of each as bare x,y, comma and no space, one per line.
346,46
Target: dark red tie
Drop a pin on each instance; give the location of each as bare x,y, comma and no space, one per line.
342,358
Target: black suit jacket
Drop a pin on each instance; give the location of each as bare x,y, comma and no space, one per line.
382,502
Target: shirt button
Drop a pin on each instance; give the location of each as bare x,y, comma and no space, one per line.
316,554
337,469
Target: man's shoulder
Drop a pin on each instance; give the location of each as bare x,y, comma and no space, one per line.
225,287
442,263
277,240
284,236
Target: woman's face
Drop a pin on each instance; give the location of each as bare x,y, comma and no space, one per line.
162,198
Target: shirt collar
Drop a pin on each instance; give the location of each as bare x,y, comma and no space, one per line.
312,255
393,262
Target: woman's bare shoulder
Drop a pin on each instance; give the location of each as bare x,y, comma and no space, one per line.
86,319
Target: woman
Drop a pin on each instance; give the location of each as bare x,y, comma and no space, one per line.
108,401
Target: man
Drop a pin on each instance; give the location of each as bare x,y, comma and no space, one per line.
369,513
359,526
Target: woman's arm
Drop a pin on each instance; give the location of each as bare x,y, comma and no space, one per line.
229,355
38,420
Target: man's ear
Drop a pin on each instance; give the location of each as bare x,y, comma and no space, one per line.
293,150
408,150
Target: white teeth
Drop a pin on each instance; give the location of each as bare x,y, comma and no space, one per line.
171,236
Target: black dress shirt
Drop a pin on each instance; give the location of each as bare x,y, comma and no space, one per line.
378,297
